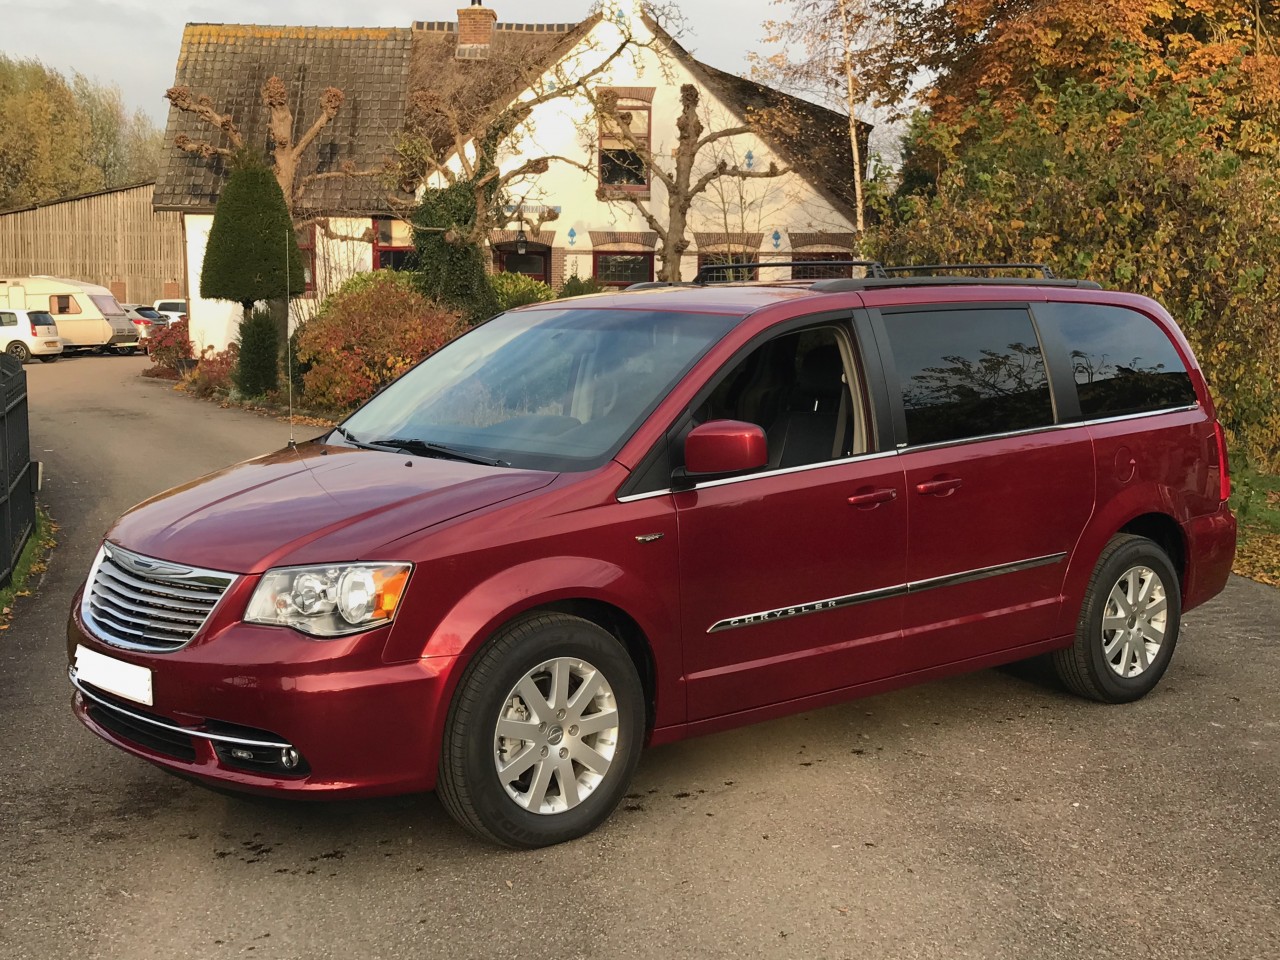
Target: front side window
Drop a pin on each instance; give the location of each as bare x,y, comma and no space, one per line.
1121,361
623,269
623,141
968,373
797,388
550,389
63,304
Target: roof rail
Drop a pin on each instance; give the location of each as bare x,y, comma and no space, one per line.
936,268
874,267
875,283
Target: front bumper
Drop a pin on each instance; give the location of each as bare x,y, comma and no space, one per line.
361,727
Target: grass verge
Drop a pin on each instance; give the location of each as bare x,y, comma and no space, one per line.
1255,499
32,563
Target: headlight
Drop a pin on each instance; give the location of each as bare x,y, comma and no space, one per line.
329,601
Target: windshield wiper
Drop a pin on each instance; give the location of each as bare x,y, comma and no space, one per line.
422,448
352,440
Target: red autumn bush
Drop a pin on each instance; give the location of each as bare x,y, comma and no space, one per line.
371,331
213,373
171,343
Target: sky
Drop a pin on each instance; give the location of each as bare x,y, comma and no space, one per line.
134,43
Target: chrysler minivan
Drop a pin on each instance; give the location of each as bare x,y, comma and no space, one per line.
592,525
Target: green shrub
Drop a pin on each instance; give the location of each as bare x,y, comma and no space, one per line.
515,290
577,286
368,333
245,258
257,370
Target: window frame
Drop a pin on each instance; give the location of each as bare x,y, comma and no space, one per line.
380,248
596,256
713,259
307,248
71,301
633,106
1061,398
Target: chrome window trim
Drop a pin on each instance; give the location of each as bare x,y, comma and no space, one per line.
909,449
1049,428
726,481
883,593
174,728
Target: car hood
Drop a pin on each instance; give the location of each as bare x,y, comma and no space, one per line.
312,504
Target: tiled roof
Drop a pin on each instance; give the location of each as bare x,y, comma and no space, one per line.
228,63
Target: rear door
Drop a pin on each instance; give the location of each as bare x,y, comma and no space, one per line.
999,483
791,578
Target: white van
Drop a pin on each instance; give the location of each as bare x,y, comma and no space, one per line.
87,315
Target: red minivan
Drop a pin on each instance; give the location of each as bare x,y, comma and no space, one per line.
626,519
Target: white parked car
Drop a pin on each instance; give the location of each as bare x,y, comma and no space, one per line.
174,309
30,333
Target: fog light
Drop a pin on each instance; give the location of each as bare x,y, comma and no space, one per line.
241,754
289,758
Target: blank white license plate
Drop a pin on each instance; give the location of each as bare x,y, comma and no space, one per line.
114,676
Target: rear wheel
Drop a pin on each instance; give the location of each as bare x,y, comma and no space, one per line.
126,351
1128,625
48,358
19,351
543,734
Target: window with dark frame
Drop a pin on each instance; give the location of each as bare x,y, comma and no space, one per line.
623,269
392,244
803,270
622,165
534,263
307,249
725,260
63,304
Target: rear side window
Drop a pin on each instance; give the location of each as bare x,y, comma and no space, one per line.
171,306
966,373
1123,363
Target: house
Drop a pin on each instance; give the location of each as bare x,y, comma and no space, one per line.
582,216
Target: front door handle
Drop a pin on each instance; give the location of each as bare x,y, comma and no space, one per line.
869,498
938,488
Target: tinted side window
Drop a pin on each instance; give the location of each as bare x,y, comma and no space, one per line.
968,373
1123,363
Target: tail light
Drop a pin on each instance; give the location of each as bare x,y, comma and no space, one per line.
1224,468
33,329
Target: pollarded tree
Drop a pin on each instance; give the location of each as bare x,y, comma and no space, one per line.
682,176
251,240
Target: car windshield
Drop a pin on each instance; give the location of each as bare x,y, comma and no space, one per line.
42,319
548,389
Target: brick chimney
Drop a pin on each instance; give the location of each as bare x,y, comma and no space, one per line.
475,30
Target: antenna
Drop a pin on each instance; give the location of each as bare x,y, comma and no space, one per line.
288,343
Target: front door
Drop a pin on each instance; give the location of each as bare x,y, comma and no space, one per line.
791,578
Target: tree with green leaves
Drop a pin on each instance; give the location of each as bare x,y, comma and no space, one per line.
251,241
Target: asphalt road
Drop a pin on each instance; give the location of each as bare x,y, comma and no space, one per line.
988,816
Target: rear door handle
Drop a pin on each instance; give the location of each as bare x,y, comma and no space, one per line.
870,498
938,488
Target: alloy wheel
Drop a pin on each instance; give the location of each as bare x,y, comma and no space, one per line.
1134,621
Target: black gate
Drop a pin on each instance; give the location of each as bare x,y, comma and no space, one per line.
17,493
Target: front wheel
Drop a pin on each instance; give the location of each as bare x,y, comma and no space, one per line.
543,734
19,351
1128,624
126,351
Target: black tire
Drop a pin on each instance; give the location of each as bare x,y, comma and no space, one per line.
49,358
1085,667
18,351
469,785
126,351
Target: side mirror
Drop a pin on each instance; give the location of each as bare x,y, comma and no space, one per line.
723,447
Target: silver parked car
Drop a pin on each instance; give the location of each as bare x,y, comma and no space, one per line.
146,321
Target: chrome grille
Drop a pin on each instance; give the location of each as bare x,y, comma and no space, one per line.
138,603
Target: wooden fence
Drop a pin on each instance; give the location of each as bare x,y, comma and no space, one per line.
112,238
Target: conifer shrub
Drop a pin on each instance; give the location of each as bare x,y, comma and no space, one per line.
257,369
373,329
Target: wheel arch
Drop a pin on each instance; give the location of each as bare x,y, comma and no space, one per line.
1164,531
